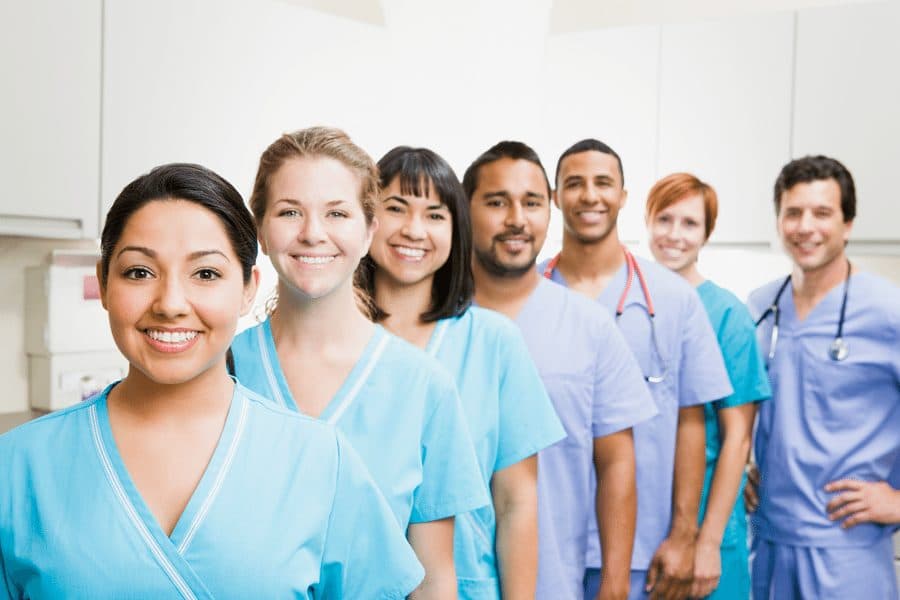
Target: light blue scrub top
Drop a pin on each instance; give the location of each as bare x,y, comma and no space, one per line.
828,419
597,389
309,525
736,334
510,418
401,413
694,374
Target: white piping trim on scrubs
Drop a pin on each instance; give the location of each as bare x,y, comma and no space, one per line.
351,395
157,552
270,373
474,524
220,478
438,334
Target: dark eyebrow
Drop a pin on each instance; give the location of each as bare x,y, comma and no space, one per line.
572,178
397,199
141,249
605,178
534,195
202,253
498,194
287,201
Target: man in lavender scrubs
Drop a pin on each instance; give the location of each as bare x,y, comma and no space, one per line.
594,382
668,331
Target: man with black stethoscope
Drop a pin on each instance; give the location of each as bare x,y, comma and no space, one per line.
669,333
828,444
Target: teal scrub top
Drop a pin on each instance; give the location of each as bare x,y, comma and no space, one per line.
510,418
311,524
736,334
401,412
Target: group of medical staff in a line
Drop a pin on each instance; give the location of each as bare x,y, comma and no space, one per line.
427,412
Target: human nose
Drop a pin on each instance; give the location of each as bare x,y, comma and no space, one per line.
805,223
413,228
171,300
313,230
515,216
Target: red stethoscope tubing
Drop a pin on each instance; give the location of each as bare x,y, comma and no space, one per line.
633,268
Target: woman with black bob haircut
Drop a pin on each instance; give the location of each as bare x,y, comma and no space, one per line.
163,485
419,171
418,277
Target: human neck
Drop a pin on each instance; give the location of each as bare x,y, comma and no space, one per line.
590,261
207,395
815,283
404,305
692,274
307,324
506,295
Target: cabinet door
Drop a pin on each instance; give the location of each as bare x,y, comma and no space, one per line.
846,104
725,102
603,84
50,118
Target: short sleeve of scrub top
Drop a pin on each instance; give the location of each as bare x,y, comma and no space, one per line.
622,397
357,505
702,375
735,330
527,421
451,480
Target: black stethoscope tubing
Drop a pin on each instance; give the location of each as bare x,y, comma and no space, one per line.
838,350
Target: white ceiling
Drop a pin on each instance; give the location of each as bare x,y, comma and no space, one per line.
568,16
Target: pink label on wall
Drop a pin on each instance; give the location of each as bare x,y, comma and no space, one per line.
91,288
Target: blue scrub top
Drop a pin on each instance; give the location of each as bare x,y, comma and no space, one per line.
597,389
736,334
828,419
510,418
400,411
694,374
309,525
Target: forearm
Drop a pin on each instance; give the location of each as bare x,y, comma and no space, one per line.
517,552
433,545
723,492
690,461
514,490
616,506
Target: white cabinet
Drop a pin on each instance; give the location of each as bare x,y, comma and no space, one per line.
846,104
50,118
215,82
725,98
604,84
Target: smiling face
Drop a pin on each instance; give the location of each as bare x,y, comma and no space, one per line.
510,215
590,195
414,235
677,233
314,229
811,224
174,292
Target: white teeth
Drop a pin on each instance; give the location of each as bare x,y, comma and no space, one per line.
315,260
672,252
410,252
172,337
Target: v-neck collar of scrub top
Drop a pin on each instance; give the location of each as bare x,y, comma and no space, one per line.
349,389
825,312
170,550
611,294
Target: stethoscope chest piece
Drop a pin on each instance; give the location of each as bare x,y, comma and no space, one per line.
838,349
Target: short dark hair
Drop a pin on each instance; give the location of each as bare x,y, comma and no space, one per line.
191,183
420,170
589,145
506,149
816,168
